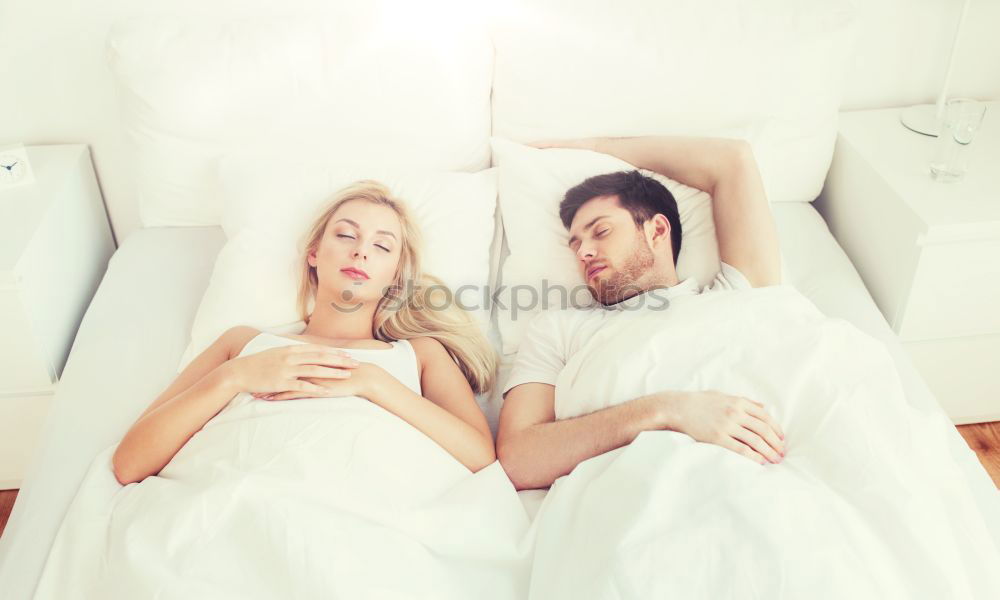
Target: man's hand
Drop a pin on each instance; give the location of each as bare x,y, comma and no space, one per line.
739,424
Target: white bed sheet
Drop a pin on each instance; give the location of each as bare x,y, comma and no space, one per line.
132,337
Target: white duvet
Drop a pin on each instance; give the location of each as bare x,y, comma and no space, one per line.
867,504
303,499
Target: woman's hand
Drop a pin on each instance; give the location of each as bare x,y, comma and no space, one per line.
287,368
739,424
365,381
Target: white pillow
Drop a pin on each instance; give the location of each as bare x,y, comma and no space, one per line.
268,210
532,183
357,82
586,68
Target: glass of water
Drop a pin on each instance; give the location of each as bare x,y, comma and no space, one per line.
960,122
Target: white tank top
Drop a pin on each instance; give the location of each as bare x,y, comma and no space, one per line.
400,360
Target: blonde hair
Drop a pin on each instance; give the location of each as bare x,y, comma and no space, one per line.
404,312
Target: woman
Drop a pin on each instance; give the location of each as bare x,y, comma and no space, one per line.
348,461
360,256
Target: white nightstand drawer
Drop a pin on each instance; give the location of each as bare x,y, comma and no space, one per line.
956,292
929,252
21,421
55,243
22,363
964,374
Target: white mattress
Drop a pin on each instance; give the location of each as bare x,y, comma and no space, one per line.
132,337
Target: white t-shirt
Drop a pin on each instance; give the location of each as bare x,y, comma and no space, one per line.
554,336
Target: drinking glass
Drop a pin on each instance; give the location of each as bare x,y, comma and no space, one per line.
960,122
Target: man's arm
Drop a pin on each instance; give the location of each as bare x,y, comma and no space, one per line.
535,449
727,170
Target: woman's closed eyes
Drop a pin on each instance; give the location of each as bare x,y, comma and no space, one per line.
351,237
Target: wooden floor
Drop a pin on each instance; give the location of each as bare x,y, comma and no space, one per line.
6,504
984,438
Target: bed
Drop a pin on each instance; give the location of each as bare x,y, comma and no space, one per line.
135,330
287,78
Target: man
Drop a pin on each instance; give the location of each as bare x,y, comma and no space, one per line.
868,502
625,231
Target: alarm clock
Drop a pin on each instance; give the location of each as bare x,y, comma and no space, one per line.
15,168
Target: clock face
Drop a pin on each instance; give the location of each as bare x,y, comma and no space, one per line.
11,168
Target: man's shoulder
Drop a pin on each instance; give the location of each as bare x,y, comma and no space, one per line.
562,325
728,278
566,315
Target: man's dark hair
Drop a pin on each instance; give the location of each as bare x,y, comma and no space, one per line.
642,196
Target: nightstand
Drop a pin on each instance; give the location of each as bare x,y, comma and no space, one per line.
929,252
55,243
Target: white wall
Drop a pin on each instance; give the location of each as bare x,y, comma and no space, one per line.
55,87
903,46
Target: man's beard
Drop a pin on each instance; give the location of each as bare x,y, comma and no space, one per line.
624,282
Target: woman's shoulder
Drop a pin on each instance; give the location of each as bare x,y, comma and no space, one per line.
235,338
428,349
